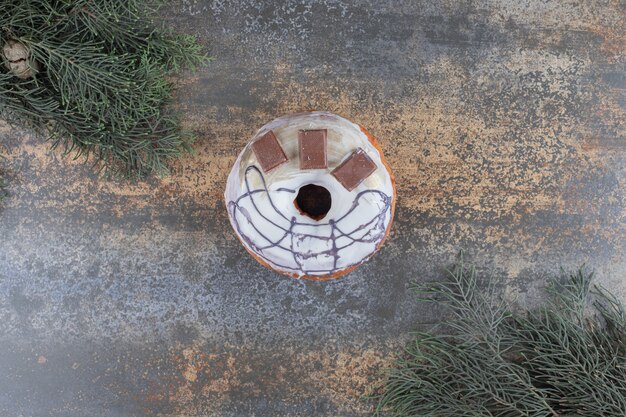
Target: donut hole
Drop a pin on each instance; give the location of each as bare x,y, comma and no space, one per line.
313,201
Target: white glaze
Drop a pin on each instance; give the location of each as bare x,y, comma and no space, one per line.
311,252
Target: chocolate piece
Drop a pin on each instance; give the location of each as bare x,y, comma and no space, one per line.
354,169
268,151
312,149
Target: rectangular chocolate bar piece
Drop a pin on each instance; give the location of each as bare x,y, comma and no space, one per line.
268,151
354,169
312,144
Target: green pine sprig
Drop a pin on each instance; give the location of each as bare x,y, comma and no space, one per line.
565,359
100,88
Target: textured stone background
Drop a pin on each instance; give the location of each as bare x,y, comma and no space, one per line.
503,121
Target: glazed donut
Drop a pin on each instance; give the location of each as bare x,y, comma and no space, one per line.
311,195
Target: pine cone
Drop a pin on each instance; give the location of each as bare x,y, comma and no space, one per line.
18,60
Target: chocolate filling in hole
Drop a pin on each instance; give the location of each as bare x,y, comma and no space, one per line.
313,201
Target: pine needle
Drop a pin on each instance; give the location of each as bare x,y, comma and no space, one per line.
565,359
100,89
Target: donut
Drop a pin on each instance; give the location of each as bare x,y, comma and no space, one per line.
311,196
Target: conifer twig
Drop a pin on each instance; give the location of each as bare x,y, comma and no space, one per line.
567,358
94,80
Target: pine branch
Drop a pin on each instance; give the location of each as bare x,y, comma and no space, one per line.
564,359
97,83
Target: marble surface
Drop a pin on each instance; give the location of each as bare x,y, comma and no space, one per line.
502,120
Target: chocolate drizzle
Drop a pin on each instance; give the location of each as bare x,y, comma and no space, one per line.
373,229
